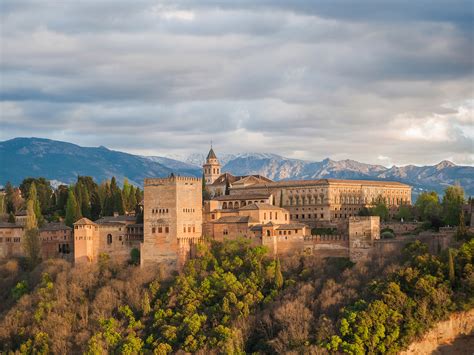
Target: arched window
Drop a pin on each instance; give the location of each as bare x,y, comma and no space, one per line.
268,232
109,238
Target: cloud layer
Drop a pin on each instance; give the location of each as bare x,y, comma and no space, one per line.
389,84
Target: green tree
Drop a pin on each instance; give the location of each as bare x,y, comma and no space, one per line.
205,192
72,210
96,209
380,209
404,212
278,275
135,256
11,218
32,244
453,200
33,197
428,206
43,192
126,195
451,266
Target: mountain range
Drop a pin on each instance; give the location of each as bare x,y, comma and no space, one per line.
62,162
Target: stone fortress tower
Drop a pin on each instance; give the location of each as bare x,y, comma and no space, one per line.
172,215
211,168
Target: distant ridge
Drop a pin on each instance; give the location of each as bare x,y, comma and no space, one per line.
62,162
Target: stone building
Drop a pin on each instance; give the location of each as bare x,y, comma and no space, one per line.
363,232
257,220
322,202
172,219
211,168
55,239
115,236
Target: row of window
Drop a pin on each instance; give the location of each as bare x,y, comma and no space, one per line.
9,240
214,171
159,210
189,229
308,216
188,210
237,204
160,229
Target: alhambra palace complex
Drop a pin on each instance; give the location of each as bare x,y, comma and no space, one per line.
279,215
288,217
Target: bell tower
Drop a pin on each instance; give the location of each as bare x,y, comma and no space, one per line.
211,168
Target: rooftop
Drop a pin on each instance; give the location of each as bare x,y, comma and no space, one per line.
261,206
84,221
54,227
297,183
116,219
243,197
235,219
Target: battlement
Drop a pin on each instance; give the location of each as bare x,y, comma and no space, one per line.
169,180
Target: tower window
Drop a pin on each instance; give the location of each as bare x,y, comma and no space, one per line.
109,238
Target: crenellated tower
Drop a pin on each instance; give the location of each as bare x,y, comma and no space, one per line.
211,168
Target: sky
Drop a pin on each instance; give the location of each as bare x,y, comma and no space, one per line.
385,83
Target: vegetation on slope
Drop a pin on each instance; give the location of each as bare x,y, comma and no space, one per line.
234,299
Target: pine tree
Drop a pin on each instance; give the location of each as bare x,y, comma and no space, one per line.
278,275
451,266
11,218
71,209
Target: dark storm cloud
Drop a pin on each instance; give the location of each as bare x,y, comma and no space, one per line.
379,82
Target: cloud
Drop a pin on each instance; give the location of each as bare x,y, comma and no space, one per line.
301,79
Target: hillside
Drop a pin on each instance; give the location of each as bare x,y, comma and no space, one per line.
54,160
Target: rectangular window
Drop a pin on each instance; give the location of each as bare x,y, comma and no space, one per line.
184,229
160,229
167,229
189,229
153,230
322,215
264,216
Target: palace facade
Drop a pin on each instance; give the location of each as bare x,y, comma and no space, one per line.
277,214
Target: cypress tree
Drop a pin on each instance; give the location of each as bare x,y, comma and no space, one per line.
33,196
71,209
126,194
32,244
451,266
9,191
118,202
138,195
96,209
132,199
278,275
11,218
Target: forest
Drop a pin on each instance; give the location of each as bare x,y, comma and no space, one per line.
234,299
